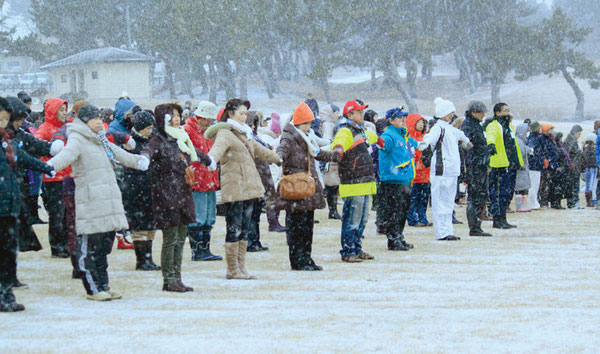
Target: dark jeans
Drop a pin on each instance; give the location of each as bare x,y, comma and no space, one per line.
501,189
56,216
9,231
92,252
299,235
419,198
355,215
238,217
395,200
477,191
171,254
70,230
254,234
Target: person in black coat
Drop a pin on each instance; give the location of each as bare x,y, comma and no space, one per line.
571,145
549,154
11,158
477,161
27,240
137,196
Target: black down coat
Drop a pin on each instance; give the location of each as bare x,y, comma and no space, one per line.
137,192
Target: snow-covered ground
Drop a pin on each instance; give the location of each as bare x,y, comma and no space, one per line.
532,289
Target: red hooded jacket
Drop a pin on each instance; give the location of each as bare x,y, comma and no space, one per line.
46,130
422,172
206,181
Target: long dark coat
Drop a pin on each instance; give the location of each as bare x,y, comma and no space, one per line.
293,152
172,201
137,192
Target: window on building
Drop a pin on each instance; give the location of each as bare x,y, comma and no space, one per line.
94,75
63,78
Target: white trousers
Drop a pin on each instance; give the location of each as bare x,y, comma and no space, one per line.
535,177
443,192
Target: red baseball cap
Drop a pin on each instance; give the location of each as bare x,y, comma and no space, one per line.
352,105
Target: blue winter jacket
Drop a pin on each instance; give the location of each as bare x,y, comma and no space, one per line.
121,108
536,161
396,158
598,147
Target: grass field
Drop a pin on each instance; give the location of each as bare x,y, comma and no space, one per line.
532,289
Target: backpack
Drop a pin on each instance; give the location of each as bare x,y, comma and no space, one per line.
427,155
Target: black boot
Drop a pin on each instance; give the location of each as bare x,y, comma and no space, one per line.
477,231
332,204
33,207
499,223
510,226
205,245
143,256
8,302
395,243
76,273
200,244
148,256
273,219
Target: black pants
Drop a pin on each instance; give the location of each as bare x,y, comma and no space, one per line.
572,189
92,252
238,217
55,207
477,191
9,231
299,235
254,234
394,202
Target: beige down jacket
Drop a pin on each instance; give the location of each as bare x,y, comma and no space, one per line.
239,178
98,203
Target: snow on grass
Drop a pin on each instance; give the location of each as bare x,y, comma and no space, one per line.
531,289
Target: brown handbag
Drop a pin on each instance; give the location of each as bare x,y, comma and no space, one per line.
297,186
190,177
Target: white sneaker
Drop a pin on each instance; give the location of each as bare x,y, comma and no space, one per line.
100,296
114,295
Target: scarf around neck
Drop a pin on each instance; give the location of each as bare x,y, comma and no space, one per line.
313,147
183,141
243,127
111,155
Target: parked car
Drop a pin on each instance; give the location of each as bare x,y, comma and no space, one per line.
28,81
9,81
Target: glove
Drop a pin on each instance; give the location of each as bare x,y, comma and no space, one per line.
130,144
492,149
422,146
546,163
51,173
213,164
56,147
143,163
467,145
337,156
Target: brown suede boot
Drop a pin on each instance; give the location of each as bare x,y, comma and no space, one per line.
231,258
588,200
242,260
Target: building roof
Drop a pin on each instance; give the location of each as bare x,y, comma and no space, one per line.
100,55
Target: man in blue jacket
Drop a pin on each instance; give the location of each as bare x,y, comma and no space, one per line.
122,106
396,172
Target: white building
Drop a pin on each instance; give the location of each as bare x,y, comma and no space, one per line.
103,73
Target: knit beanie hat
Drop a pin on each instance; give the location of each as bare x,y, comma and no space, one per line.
534,126
23,96
275,123
87,112
395,113
443,107
546,127
591,137
302,114
142,120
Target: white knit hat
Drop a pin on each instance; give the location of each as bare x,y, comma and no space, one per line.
206,110
443,107
591,137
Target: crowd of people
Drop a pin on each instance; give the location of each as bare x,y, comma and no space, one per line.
130,172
